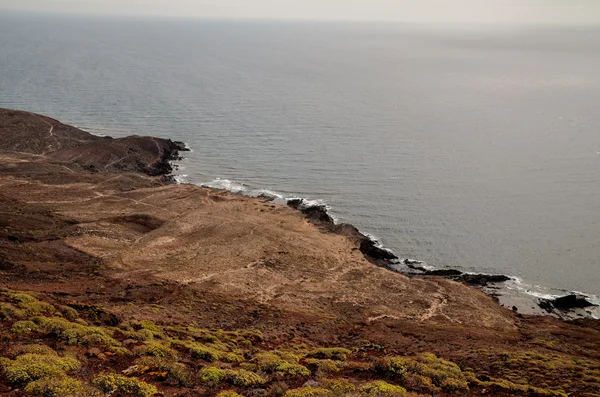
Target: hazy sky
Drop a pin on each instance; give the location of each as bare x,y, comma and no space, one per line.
482,11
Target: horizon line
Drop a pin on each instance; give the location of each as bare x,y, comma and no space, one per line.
142,16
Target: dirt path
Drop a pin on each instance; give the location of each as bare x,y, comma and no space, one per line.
50,132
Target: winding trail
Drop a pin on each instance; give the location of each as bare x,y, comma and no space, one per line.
50,132
436,305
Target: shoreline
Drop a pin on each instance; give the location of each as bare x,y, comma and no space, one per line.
569,306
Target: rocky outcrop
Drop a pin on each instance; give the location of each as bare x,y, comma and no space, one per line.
567,302
35,134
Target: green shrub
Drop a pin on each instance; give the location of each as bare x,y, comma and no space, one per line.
8,311
419,383
19,297
232,358
396,366
152,329
24,327
212,375
29,367
175,371
155,349
61,386
141,335
325,366
243,378
280,363
113,383
228,393
510,387
119,351
454,385
34,349
381,388
334,353
339,386
200,351
69,313
74,333
308,392
443,373
30,304
426,373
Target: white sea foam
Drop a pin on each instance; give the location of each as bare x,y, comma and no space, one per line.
377,241
181,178
226,184
266,192
517,284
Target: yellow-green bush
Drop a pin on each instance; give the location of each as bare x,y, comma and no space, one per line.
325,366
74,333
155,349
426,373
228,393
175,371
280,363
154,330
29,367
212,375
338,386
34,349
454,385
8,311
232,358
442,373
69,313
61,386
201,351
510,387
119,351
112,383
381,388
243,378
396,366
308,392
333,353
418,382
141,335
28,303
24,327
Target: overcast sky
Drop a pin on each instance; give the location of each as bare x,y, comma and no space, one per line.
475,11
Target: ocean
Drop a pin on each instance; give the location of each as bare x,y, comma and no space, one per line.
471,147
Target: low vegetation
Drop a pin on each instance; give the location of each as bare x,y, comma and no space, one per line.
68,352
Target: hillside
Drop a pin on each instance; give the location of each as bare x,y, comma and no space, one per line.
119,282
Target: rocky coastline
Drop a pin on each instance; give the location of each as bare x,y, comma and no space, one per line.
569,306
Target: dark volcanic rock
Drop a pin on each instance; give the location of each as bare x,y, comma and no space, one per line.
483,279
450,273
567,302
317,213
295,203
314,213
370,249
